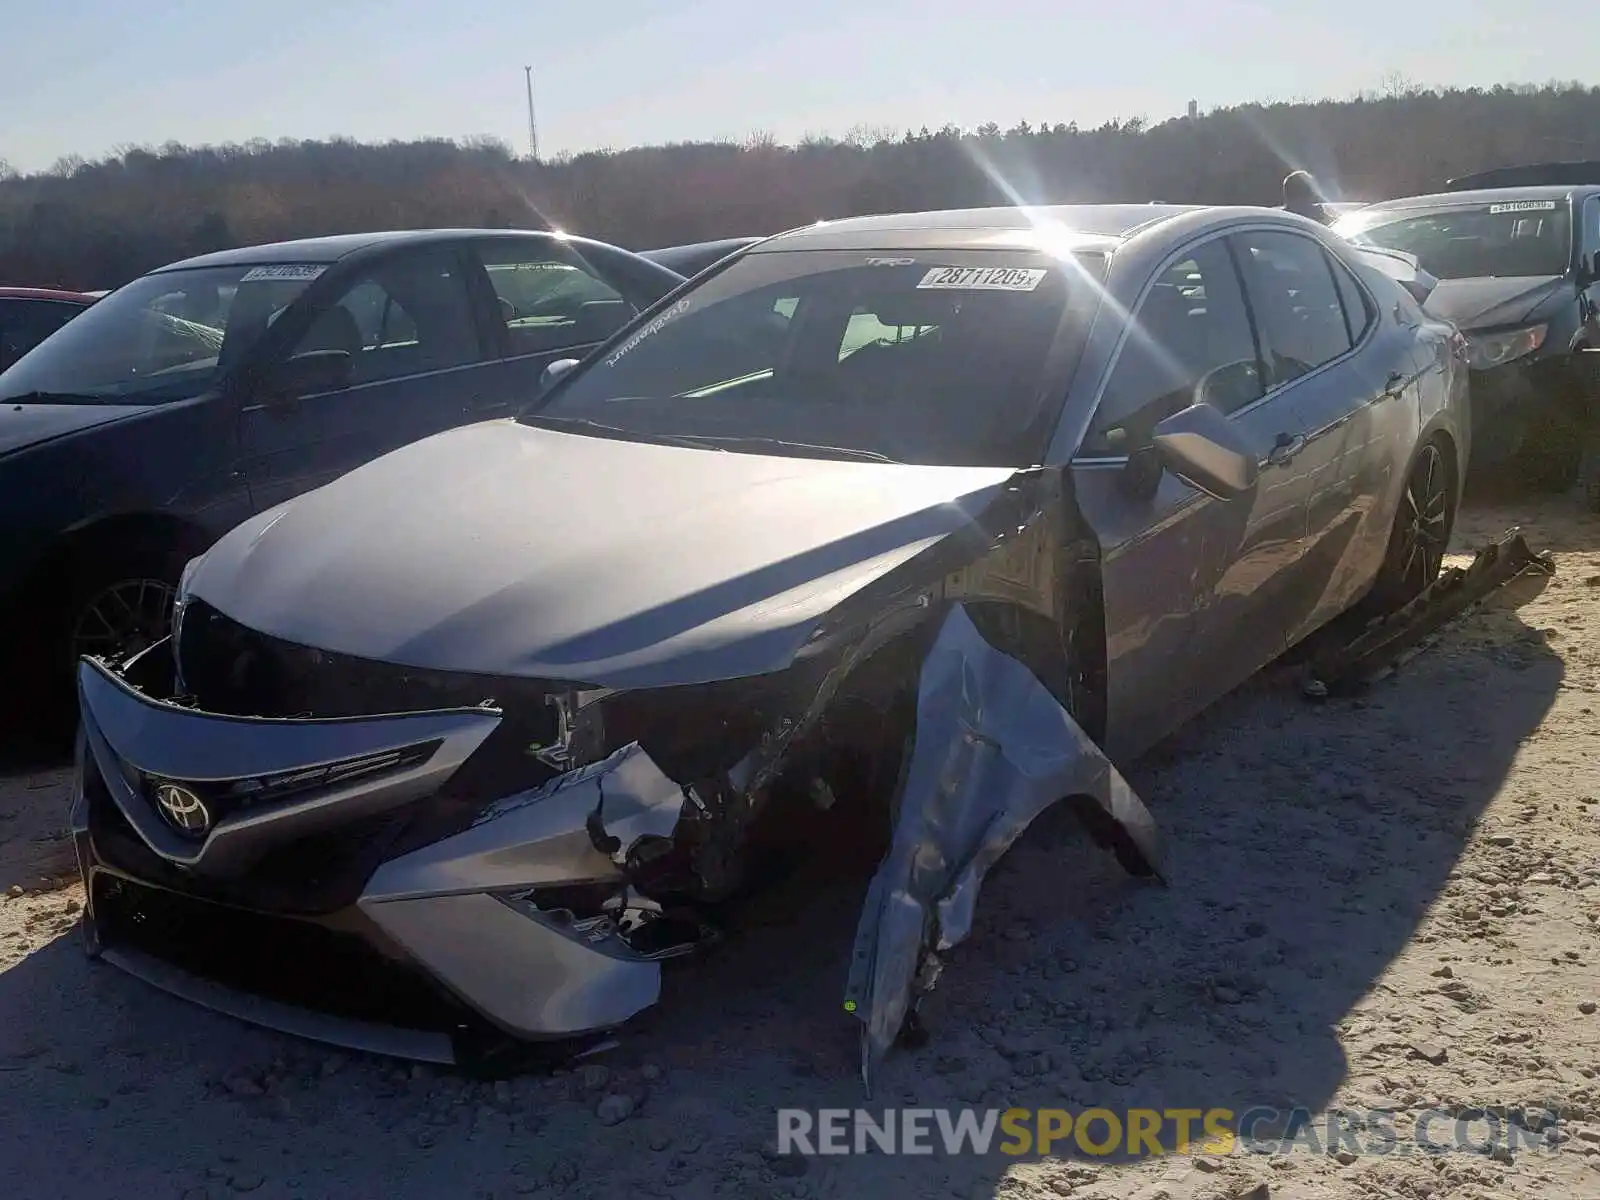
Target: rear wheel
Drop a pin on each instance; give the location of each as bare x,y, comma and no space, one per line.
1421,531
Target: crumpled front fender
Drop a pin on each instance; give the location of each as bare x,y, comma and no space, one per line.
993,749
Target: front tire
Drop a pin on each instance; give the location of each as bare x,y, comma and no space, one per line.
1421,532
110,602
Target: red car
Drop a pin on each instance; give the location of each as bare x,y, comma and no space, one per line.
29,315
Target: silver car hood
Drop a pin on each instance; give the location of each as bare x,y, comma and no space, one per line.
512,550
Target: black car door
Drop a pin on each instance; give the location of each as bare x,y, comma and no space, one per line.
545,303
1589,265
418,365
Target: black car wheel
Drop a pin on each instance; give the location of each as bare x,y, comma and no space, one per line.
106,601
124,616
1421,531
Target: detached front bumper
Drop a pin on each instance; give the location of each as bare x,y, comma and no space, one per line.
297,873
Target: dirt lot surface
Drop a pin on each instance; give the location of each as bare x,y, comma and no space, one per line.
1388,902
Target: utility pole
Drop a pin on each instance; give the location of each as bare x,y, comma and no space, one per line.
533,128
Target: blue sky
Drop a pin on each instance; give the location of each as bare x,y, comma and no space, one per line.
83,76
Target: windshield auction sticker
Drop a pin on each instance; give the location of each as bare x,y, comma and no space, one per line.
1524,206
297,271
984,279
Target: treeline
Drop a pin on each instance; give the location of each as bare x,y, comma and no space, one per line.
97,224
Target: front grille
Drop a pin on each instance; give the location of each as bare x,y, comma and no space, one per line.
308,876
303,963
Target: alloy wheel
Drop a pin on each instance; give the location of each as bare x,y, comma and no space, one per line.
1425,522
123,618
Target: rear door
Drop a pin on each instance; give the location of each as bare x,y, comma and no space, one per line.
1355,394
1191,583
420,366
544,303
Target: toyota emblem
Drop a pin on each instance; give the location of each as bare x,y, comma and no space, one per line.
183,810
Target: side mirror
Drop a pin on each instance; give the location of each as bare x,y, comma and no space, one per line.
1204,449
555,371
309,372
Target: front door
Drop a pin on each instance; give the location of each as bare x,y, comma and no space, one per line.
1190,582
418,366
1589,263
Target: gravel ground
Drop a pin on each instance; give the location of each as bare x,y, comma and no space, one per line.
1392,901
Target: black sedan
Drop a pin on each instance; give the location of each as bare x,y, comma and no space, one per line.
1517,251
211,389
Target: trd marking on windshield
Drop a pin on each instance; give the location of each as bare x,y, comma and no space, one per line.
1523,206
677,310
284,271
890,262
984,279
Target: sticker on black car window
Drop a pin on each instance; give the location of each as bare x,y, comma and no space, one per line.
284,271
1523,206
984,279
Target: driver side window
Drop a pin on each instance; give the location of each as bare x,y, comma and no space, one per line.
1191,326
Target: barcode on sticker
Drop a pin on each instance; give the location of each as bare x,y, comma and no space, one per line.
1524,206
984,279
284,271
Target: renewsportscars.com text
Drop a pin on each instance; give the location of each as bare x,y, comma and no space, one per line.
1144,1132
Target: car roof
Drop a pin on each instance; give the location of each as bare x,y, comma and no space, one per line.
1093,226
1481,196
338,246
31,293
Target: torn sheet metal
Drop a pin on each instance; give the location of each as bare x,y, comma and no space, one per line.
993,749
544,837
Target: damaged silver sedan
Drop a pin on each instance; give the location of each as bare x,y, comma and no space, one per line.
899,516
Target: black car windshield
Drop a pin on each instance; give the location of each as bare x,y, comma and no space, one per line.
165,336
1474,241
936,357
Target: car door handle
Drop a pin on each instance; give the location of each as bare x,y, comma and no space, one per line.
1285,448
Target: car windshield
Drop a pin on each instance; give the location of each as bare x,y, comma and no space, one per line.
926,357
165,336
1474,241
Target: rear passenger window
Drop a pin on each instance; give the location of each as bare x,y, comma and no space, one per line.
1296,303
1357,311
1190,340
548,303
